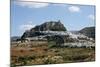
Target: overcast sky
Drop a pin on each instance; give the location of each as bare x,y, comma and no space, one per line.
25,15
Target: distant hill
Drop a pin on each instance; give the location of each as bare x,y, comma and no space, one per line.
74,32
14,38
88,31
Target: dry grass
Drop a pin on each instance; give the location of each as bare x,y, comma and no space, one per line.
41,54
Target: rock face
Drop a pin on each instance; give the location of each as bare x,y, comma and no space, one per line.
88,31
52,26
47,26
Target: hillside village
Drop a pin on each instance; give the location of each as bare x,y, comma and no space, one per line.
56,30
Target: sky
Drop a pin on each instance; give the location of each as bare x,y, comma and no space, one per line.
26,15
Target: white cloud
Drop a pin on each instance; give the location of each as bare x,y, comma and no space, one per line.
26,26
29,4
74,9
92,17
61,5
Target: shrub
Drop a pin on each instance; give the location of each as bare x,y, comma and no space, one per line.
51,44
22,60
13,65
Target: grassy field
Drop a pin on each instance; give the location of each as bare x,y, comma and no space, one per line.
42,54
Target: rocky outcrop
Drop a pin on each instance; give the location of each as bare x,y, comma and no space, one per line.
47,26
51,26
